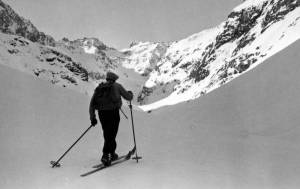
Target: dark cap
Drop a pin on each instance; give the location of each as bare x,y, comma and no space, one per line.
111,76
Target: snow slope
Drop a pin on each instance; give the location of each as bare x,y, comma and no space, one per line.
245,135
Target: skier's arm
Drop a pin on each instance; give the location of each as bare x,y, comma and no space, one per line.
92,108
125,94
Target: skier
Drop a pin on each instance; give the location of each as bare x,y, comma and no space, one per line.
107,100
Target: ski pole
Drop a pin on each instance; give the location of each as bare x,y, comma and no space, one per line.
123,113
136,155
56,163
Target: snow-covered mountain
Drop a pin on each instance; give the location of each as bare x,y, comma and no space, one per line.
67,64
166,73
49,63
77,64
143,56
88,45
12,23
192,67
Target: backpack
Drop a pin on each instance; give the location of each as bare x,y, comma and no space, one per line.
104,95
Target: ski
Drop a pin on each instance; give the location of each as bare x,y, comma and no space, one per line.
119,160
101,164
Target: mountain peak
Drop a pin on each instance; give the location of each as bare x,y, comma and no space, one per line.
12,23
90,45
196,65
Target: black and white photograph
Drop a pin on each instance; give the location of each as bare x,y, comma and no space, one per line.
150,94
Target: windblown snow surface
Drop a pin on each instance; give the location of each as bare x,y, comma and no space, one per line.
244,135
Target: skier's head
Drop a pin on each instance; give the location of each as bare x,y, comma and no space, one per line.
112,77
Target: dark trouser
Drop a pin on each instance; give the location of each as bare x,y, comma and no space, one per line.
110,120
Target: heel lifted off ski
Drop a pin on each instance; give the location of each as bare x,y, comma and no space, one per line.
119,160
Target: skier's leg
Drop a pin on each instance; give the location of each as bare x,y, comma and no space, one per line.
105,123
114,119
114,130
110,120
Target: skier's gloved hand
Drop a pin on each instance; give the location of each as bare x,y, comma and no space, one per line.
93,121
130,92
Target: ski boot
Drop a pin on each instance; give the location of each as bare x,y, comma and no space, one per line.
106,159
114,156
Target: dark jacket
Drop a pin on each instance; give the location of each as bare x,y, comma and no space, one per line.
114,103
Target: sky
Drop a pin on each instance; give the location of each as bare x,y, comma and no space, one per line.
119,22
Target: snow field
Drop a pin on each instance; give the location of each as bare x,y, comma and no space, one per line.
243,135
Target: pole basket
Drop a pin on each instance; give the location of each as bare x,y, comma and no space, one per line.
137,158
55,164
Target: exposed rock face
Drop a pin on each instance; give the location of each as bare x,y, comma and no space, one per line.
278,11
55,57
43,61
238,24
12,23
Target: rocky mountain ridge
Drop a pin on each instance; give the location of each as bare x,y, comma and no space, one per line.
90,45
44,62
12,23
174,72
194,66
78,64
